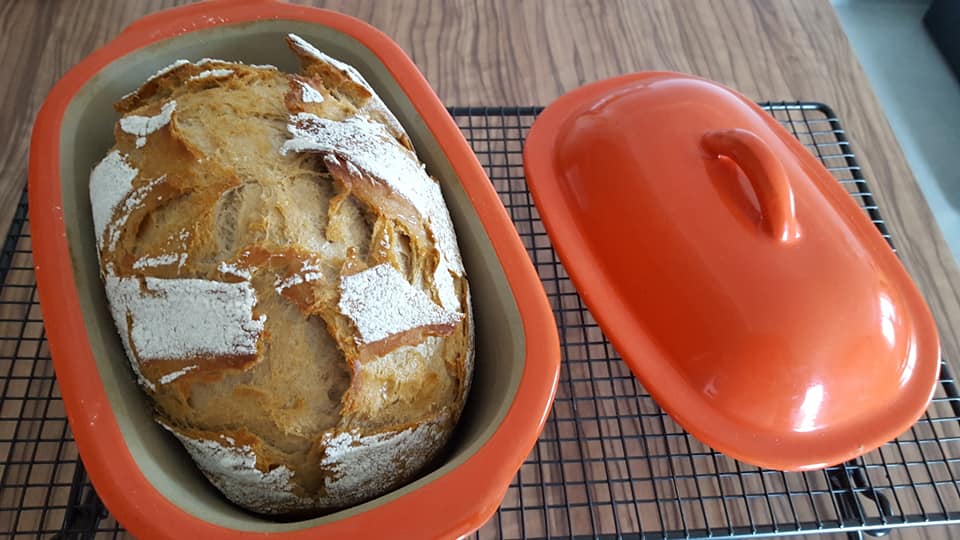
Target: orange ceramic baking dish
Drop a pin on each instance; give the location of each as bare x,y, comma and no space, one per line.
740,281
143,476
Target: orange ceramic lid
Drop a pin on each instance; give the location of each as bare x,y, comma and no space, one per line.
738,279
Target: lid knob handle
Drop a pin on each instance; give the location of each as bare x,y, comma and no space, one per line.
766,175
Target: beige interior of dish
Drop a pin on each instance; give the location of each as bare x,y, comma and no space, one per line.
86,136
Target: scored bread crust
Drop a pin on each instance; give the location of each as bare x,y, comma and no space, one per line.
285,279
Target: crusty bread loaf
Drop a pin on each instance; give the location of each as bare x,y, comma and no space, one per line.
285,278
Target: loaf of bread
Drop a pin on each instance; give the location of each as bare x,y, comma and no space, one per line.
285,279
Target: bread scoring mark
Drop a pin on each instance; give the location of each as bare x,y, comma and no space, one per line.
307,48
212,74
381,303
233,469
186,318
110,182
386,375
142,126
149,87
309,94
133,200
374,105
379,197
368,147
170,377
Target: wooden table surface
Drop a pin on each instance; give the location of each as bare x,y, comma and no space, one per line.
529,53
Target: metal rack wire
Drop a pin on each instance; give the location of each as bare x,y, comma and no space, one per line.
609,463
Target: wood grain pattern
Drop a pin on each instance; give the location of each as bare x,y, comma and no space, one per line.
528,53
501,52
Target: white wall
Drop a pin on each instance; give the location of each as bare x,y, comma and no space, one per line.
919,94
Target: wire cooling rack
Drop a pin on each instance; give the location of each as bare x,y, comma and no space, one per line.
609,463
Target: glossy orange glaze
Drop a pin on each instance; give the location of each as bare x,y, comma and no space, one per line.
741,283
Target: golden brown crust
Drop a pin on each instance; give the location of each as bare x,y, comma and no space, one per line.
211,223
347,82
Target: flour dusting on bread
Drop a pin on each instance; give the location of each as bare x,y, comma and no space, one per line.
142,126
133,200
374,106
446,290
186,318
212,74
110,182
234,270
174,375
163,71
166,259
309,94
285,280
363,464
381,303
234,471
